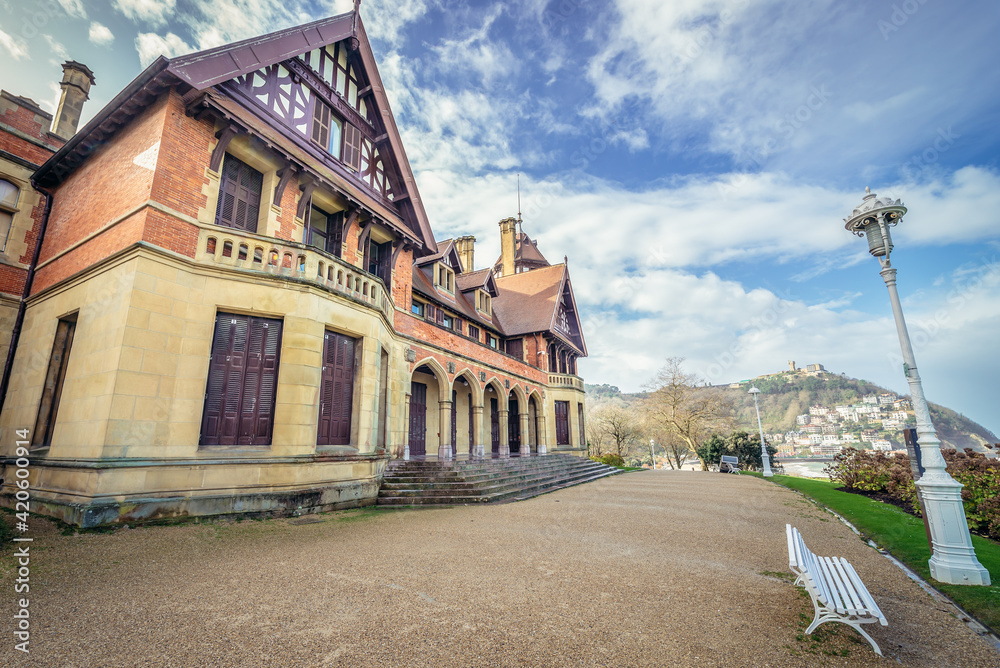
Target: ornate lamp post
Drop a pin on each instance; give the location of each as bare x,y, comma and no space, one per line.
652,453
763,448
953,559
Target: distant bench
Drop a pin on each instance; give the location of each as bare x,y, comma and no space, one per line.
837,593
729,464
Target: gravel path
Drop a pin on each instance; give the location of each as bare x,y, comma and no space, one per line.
643,569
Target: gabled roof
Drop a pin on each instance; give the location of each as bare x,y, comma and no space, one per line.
445,249
459,303
528,302
205,69
478,280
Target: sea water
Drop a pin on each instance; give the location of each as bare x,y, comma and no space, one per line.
805,469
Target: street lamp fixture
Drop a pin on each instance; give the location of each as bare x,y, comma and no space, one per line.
954,559
652,453
765,460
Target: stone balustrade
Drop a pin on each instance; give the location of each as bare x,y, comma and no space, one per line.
565,380
251,252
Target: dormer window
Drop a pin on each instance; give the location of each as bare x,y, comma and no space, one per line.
483,302
444,278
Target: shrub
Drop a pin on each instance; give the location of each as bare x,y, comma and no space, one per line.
879,473
611,459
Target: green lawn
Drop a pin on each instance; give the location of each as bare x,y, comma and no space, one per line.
903,535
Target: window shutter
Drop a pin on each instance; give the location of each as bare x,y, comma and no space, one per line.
336,390
440,317
321,124
562,422
239,195
351,155
429,312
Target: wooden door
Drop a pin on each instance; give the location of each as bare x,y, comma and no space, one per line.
336,398
513,425
471,440
48,408
242,381
454,422
495,424
562,423
418,419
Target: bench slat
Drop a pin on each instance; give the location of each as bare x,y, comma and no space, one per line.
839,601
870,604
849,586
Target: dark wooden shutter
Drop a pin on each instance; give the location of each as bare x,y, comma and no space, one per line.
321,124
351,155
495,424
48,407
418,419
515,348
336,390
239,195
429,312
242,381
562,423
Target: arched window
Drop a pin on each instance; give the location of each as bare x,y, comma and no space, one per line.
9,194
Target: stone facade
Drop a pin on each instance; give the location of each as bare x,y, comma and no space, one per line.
135,261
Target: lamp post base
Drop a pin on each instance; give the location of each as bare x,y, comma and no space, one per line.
954,560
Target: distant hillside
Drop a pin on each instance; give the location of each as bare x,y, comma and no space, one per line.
785,396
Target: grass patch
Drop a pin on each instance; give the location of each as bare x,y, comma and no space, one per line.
903,535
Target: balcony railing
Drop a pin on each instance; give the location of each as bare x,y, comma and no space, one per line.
565,380
230,248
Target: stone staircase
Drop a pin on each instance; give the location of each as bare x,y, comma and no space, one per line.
475,481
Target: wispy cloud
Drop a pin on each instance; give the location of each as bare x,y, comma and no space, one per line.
154,13
100,34
149,46
14,46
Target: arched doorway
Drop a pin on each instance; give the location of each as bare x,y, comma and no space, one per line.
493,403
514,422
425,428
533,415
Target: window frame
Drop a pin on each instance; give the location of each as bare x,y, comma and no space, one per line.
9,211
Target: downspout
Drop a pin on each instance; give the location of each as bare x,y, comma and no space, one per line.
15,334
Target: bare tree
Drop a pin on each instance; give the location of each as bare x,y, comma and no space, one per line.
681,405
617,427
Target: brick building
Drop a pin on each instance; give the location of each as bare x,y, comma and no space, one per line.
238,304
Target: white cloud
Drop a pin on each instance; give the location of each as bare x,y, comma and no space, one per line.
100,34
476,53
74,8
154,12
149,46
14,46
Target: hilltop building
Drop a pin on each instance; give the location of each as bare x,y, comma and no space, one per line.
238,305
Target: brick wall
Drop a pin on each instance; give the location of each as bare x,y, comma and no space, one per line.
31,123
443,338
402,280
185,151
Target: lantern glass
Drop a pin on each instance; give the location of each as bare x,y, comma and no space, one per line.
876,244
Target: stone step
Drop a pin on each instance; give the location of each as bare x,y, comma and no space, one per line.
475,481
516,494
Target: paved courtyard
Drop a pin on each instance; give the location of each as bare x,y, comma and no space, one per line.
644,569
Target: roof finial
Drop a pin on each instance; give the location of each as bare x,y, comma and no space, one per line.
519,199
868,190
354,23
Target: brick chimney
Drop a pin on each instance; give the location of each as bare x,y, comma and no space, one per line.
466,247
76,82
508,232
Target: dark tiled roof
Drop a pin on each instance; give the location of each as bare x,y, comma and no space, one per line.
460,303
527,301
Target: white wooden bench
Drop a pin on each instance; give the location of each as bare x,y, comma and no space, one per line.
837,593
729,464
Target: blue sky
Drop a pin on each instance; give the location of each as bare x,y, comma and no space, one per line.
693,159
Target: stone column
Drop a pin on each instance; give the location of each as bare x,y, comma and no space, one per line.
444,438
504,443
476,448
525,434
